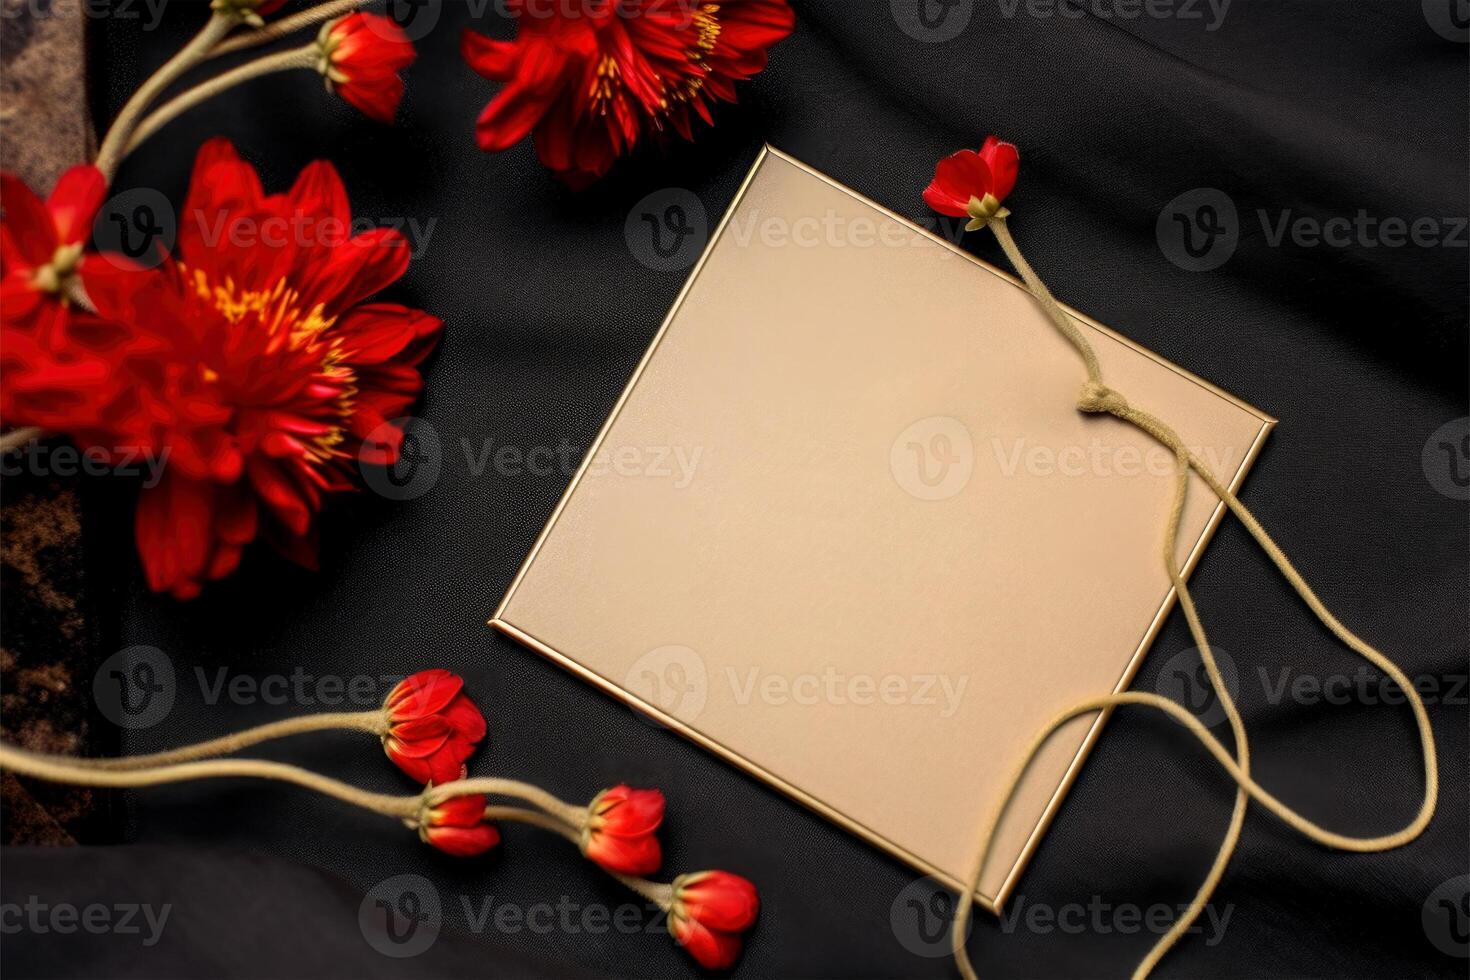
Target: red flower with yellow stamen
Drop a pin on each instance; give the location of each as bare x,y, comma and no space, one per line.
360,56
457,826
620,832
433,726
971,184
591,82
270,374
709,912
41,245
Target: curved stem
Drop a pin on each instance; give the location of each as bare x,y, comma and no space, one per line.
1043,296
19,437
194,52
657,892
534,795
535,818
286,26
283,61
1097,398
374,722
61,769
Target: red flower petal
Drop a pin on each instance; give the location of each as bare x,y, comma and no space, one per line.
712,949
423,693
178,527
968,174
719,899
640,855
366,52
458,811
590,84
464,841
465,718
628,811
30,236
957,178
368,263
457,826
75,201
419,738
1004,161
493,59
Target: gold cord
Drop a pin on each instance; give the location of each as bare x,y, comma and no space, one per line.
1097,398
374,722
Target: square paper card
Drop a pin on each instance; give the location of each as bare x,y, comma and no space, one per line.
846,529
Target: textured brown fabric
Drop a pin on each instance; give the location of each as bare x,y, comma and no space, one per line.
46,647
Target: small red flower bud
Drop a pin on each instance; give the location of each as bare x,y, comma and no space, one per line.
973,185
709,911
457,826
620,832
433,726
360,56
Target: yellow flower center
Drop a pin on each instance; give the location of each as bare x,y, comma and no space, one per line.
704,28
278,311
56,276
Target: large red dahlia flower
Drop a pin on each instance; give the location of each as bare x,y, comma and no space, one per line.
590,78
269,372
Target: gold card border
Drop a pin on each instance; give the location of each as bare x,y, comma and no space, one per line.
993,903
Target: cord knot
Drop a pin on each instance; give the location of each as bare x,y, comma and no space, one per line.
1098,397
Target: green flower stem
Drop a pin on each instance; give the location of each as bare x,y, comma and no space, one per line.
658,893
18,438
63,769
572,816
297,58
286,26
374,722
118,137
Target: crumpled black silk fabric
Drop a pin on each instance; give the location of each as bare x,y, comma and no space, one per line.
1294,109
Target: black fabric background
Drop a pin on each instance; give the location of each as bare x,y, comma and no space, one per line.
1323,107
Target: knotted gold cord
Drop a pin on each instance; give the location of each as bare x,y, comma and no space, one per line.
1097,398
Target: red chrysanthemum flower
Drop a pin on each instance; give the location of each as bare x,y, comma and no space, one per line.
457,826
709,912
591,82
360,56
57,363
269,374
621,830
433,726
972,185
